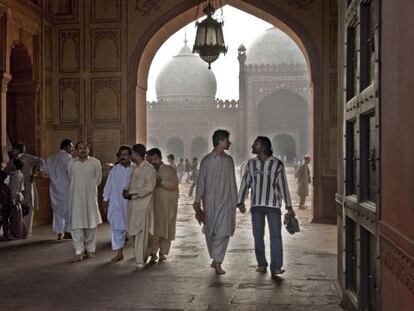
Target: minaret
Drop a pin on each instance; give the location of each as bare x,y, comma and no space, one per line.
242,103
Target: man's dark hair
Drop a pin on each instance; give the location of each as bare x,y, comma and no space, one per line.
65,143
266,145
140,149
125,147
19,147
171,157
80,142
154,151
220,135
18,163
3,176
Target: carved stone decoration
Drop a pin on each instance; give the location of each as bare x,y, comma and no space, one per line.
99,137
106,11
69,100
106,100
333,96
333,43
147,7
48,48
49,99
300,4
62,11
106,50
69,60
401,265
56,133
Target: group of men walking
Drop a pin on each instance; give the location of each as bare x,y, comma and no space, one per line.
140,199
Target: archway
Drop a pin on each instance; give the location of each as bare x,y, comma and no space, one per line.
285,112
177,18
176,147
199,147
284,146
185,12
21,99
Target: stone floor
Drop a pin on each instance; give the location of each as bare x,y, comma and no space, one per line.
36,274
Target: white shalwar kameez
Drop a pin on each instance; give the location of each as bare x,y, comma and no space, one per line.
117,181
85,177
56,167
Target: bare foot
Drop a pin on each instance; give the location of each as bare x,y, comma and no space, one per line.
219,270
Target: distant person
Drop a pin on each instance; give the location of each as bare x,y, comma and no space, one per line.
303,177
180,171
194,175
30,170
187,168
56,167
85,176
171,161
165,206
115,205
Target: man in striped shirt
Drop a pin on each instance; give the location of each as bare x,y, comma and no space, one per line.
266,177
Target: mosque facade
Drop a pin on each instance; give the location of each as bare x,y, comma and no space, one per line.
274,100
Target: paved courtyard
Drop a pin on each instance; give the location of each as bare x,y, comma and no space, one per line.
37,274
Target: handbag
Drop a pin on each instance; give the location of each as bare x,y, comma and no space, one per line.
291,223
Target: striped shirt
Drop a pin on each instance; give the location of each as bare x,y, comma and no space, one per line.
268,183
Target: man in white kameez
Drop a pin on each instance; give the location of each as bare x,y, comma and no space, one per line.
85,176
30,170
217,190
56,167
113,201
140,219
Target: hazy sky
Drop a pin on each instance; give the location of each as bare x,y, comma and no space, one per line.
239,27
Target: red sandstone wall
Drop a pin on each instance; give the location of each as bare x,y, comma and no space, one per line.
397,155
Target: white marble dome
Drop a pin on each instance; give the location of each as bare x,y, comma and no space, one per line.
274,47
186,77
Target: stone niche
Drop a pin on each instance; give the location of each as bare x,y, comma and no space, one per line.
69,100
62,11
106,49
105,142
105,11
48,49
69,60
106,100
55,134
49,111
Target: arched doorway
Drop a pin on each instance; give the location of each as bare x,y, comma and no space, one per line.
21,99
283,112
284,146
199,147
185,12
176,147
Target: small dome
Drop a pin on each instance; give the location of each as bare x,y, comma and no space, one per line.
274,47
186,77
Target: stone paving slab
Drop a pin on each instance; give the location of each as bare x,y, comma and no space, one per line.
36,274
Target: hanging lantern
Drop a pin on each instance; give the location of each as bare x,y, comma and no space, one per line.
209,41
